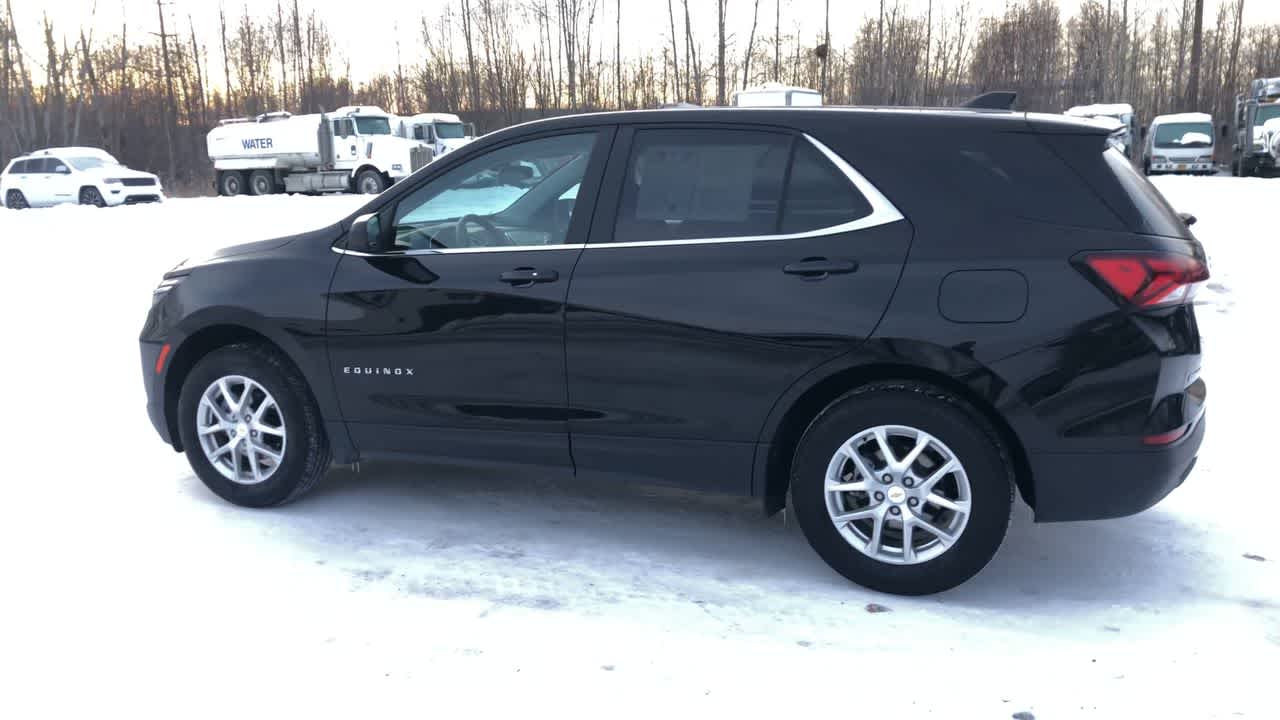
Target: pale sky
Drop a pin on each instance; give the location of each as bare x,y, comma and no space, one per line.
365,33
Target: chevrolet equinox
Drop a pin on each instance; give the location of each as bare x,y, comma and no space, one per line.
893,320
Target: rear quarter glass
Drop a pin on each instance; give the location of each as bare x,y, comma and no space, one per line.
1117,183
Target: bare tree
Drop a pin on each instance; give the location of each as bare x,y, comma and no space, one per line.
1197,41
751,45
720,72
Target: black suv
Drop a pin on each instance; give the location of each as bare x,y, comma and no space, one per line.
889,318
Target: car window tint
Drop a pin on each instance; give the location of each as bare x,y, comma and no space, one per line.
19,166
683,184
818,193
515,195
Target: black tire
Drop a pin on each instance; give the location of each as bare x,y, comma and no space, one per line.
306,452
1247,169
15,200
91,196
964,430
231,183
262,182
370,182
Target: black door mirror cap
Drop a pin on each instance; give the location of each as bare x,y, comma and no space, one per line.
1187,219
366,234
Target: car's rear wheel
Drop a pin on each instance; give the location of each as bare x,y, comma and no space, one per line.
250,427
370,182
230,183
902,487
15,200
262,182
91,196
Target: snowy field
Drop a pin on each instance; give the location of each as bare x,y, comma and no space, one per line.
419,591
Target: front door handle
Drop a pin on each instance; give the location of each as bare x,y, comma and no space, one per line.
816,268
526,276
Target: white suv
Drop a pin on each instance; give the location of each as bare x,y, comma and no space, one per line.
83,175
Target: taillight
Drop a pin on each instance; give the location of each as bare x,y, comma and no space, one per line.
1147,279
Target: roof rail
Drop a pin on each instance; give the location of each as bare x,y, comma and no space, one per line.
994,100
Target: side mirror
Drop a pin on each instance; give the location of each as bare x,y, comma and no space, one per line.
365,234
1187,218
62,170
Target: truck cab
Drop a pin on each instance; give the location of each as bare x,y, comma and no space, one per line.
1179,143
441,133
1119,117
1256,122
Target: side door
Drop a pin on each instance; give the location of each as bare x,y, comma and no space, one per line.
37,185
737,260
62,183
451,342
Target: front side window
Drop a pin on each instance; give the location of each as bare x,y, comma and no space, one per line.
683,184
1184,135
41,165
517,195
373,126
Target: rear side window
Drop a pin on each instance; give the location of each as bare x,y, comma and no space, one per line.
1015,174
19,167
683,184
818,193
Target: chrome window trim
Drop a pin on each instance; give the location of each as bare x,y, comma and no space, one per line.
883,212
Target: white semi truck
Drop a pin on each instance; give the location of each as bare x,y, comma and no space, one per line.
352,149
1119,117
1255,128
441,132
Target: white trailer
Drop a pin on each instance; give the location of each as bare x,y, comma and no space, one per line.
352,149
440,132
774,94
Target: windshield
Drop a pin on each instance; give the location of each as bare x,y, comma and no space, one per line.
1184,135
373,126
1266,112
450,130
86,163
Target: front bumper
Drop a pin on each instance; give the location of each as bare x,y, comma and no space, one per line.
124,195
1183,167
1101,485
154,385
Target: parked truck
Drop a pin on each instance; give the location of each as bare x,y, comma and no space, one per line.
440,133
1119,117
352,149
1256,129
1179,143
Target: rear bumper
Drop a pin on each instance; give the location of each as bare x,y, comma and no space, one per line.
1100,485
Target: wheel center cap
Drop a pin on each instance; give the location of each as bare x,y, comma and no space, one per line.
897,495
242,429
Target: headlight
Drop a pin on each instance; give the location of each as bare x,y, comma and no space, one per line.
112,181
1204,159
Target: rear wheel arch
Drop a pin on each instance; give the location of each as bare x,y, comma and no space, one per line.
773,471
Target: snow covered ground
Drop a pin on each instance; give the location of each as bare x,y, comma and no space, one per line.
419,590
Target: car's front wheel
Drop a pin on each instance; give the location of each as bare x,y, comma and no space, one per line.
250,428
91,196
903,488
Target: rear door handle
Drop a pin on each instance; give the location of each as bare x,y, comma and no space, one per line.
526,276
817,268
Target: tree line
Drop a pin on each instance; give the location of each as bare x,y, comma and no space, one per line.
150,100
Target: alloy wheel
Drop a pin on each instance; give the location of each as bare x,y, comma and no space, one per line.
241,429
897,494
